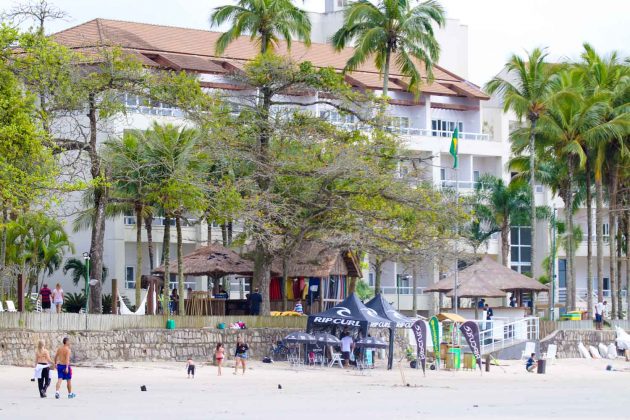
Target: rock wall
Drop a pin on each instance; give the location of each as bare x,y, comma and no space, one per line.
568,340
17,347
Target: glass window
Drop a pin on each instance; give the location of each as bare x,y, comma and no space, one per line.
514,236
514,257
606,283
526,236
562,272
526,254
130,277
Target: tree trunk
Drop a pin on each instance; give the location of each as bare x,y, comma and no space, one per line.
180,266
532,186
138,254
230,231
589,243
571,289
262,268
619,282
3,239
209,227
148,226
388,55
505,242
98,220
599,221
285,277
627,225
166,260
378,270
612,221
414,292
224,234
352,285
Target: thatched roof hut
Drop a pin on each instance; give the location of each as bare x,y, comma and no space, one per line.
314,259
212,260
476,288
496,275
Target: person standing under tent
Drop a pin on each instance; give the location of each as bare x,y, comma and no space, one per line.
64,370
57,296
347,346
45,294
42,367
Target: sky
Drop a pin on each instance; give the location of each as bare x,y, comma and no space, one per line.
497,28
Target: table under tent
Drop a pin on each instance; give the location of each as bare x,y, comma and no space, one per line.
353,316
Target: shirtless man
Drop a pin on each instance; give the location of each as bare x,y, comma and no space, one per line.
64,371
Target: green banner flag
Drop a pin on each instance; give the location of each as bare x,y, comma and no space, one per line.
434,326
455,147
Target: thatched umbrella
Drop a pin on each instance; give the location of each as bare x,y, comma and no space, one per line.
476,288
215,261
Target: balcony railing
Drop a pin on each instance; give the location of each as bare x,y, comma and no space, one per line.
401,290
463,185
412,131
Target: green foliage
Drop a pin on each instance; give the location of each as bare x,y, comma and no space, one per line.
363,291
78,271
392,30
107,304
74,302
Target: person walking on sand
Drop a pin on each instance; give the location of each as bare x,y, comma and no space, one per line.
64,370
240,355
45,294
42,367
219,354
57,295
190,367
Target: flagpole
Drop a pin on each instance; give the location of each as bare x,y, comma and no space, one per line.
456,233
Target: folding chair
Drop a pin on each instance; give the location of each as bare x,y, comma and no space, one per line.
336,358
10,306
550,354
530,347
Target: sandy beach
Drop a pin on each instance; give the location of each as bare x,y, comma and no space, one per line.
570,389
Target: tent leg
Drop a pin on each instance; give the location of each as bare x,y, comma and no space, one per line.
390,356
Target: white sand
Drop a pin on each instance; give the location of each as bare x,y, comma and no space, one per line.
570,389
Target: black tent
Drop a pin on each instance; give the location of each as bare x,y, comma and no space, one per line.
352,314
387,311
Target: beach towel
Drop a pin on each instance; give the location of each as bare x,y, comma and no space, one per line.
37,373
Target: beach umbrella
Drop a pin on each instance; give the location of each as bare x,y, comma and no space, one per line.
300,338
326,339
371,343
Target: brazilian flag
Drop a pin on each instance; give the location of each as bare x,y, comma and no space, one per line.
455,147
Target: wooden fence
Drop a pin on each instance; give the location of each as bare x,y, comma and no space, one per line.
81,322
548,326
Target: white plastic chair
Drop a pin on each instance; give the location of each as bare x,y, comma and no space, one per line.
550,354
530,347
336,358
10,306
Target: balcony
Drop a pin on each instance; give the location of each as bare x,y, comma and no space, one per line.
412,131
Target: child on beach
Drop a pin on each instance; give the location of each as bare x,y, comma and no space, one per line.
190,367
219,353
531,363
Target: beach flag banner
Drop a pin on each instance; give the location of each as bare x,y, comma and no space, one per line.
471,332
434,326
420,332
455,147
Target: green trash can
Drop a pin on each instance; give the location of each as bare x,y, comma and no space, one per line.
170,324
455,358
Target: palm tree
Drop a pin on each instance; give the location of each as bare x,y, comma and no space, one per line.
499,205
392,29
78,270
265,21
526,88
175,183
129,173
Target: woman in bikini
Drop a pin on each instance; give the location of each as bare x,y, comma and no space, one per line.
219,353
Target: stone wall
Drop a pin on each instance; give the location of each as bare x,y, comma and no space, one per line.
568,340
94,347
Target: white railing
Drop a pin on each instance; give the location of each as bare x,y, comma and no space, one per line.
464,185
401,290
501,333
412,131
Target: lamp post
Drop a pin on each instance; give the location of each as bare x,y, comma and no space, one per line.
552,304
86,258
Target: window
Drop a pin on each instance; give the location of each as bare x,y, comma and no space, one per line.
371,279
342,3
173,283
130,220
337,118
443,128
562,272
130,277
521,249
606,283
442,174
539,189
398,125
605,232
476,176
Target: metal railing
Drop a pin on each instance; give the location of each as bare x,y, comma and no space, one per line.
401,290
412,131
464,185
501,333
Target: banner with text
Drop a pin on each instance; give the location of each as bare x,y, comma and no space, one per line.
434,326
471,332
420,332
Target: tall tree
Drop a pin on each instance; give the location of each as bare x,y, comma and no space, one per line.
392,30
499,205
265,21
525,88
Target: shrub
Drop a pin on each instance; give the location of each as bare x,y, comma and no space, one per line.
74,302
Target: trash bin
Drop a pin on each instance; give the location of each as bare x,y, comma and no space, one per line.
170,324
541,366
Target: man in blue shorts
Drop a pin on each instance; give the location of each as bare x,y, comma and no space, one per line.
64,371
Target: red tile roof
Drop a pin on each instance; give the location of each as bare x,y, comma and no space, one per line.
194,50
